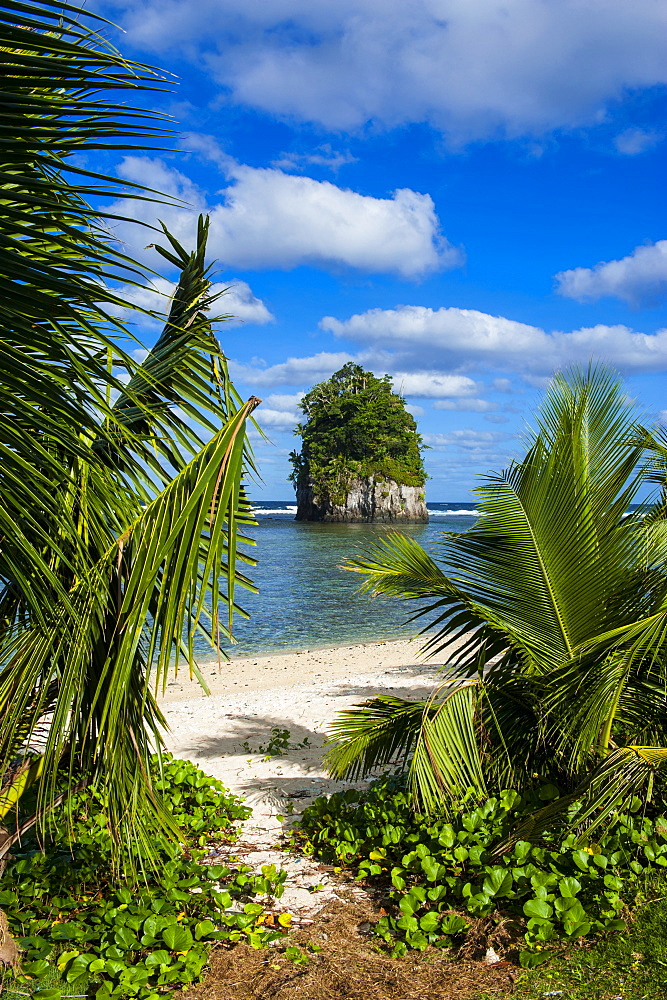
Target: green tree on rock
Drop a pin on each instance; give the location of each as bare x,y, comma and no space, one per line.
356,427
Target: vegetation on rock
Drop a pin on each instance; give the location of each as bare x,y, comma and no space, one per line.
356,427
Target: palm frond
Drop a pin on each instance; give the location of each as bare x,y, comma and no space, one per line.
555,599
378,733
604,793
447,760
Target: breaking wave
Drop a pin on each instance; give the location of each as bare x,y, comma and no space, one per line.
453,513
274,510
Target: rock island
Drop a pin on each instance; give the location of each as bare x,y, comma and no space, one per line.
361,454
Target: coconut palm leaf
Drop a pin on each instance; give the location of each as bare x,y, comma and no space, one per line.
438,737
104,721
555,599
120,521
380,732
397,566
446,761
57,265
606,791
101,655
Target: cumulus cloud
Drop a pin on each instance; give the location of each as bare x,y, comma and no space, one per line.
294,371
477,446
638,279
240,302
272,219
465,438
449,339
317,367
469,405
323,156
502,385
493,67
277,419
432,385
633,141
279,411
416,411
286,402
236,300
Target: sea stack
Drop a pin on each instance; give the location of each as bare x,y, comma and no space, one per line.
360,458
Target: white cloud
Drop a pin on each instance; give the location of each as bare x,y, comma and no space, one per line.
467,439
638,279
633,141
432,385
277,419
416,411
287,402
317,367
502,385
451,339
470,405
662,417
207,147
155,297
472,69
323,156
241,303
279,411
271,219
294,371
236,300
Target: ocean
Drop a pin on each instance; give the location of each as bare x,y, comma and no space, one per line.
305,600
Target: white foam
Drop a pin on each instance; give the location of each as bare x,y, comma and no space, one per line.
452,513
274,510
433,513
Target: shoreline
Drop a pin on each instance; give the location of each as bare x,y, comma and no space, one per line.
279,669
307,648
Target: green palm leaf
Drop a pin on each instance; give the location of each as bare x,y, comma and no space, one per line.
555,599
120,521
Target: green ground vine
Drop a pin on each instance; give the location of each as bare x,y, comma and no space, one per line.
78,927
439,876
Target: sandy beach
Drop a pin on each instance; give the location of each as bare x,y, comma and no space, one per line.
300,692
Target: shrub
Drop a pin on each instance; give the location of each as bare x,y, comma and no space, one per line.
440,874
138,940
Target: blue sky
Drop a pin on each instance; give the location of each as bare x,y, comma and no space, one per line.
466,194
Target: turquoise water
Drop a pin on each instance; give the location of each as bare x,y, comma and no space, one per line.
305,600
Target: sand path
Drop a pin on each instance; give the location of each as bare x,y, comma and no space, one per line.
300,692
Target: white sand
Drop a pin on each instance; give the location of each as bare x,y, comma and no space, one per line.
301,692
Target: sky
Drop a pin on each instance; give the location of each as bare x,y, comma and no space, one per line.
467,195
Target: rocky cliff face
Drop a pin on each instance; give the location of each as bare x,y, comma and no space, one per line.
367,500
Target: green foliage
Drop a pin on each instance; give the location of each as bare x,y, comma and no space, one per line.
356,426
630,965
439,874
121,495
277,744
135,940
